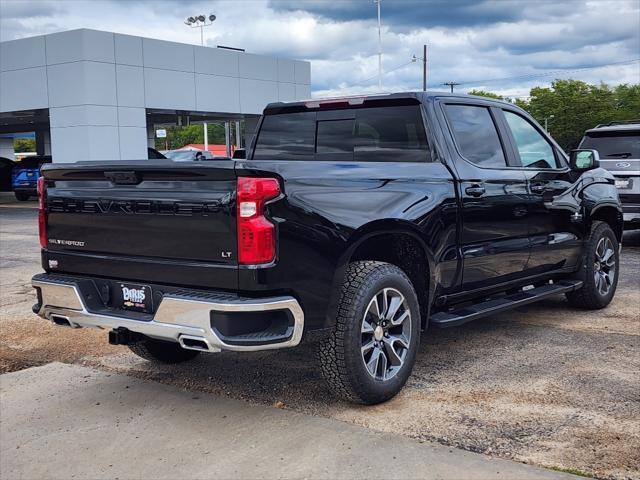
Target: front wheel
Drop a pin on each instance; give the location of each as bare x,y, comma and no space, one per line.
21,197
599,271
369,355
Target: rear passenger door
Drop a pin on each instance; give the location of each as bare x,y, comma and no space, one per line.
494,232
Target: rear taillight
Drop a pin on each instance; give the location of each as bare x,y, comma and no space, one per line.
42,211
256,234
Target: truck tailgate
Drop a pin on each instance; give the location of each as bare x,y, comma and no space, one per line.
113,215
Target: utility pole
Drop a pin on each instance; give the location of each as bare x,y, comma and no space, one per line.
451,84
378,2
424,68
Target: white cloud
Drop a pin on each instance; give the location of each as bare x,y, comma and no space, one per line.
534,37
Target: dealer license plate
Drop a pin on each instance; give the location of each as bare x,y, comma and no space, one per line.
130,296
623,183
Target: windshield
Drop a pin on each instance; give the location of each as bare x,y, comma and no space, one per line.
614,144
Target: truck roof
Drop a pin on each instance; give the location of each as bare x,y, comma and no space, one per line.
354,100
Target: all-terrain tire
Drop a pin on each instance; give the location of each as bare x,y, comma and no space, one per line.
591,295
162,352
21,197
340,354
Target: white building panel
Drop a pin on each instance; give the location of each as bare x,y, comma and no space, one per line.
6,148
133,143
303,92
258,67
76,45
302,72
128,50
255,94
25,53
217,94
167,55
81,83
286,92
23,89
169,89
81,115
216,61
130,86
74,144
66,84
286,70
132,117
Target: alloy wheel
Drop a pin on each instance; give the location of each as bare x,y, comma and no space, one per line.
604,266
386,334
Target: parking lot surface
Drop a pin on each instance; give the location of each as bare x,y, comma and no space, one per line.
545,384
114,426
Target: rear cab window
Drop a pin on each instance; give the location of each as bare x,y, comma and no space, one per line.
365,134
288,136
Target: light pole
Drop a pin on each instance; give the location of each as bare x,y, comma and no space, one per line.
378,2
200,21
546,122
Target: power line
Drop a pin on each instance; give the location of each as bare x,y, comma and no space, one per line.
515,77
385,72
551,72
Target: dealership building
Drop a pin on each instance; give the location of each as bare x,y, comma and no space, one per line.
93,95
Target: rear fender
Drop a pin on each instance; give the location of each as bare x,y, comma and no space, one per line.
365,233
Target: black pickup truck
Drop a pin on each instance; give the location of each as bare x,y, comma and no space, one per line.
353,222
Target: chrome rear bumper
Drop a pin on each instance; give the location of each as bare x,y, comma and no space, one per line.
178,318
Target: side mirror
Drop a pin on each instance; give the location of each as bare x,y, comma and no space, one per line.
582,160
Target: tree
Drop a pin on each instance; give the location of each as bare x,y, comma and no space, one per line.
577,106
483,93
21,145
179,136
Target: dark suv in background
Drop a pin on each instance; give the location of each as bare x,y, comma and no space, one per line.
618,144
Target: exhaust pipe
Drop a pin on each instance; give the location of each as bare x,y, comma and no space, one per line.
61,320
200,344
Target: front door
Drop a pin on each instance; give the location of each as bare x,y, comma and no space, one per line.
494,234
554,241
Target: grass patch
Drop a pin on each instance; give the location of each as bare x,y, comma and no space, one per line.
572,471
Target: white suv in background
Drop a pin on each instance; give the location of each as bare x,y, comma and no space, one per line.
618,144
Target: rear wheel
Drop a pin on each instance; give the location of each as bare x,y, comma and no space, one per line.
21,197
599,271
370,353
162,352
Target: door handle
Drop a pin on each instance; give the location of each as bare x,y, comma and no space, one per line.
474,190
538,188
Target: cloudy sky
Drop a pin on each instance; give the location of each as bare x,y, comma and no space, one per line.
506,46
